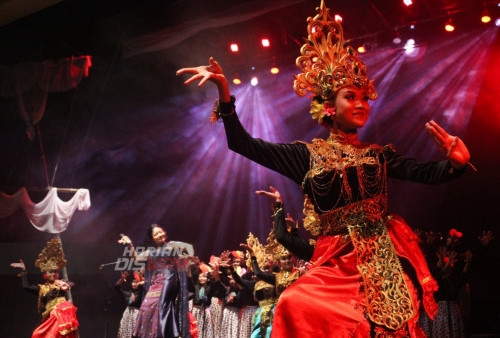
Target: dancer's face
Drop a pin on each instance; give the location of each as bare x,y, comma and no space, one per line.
51,276
286,263
202,278
351,108
159,236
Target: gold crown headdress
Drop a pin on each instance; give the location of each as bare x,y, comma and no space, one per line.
51,257
274,248
327,62
259,250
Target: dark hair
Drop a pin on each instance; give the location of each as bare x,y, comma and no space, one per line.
151,228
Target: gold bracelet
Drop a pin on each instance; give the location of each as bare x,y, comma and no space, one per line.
277,211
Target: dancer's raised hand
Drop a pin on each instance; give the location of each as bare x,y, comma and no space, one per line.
212,72
273,193
19,265
450,146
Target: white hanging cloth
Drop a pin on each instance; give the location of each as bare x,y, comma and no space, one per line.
51,214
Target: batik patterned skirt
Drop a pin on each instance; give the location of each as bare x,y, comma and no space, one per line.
203,320
127,323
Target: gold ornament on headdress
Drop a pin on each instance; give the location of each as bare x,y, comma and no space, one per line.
51,257
274,248
259,250
327,63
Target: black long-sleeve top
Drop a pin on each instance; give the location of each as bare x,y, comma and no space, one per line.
267,277
27,286
203,293
293,160
335,173
299,247
133,298
53,293
239,297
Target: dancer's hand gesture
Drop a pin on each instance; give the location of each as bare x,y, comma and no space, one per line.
274,194
450,146
19,265
248,248
213,72
125,240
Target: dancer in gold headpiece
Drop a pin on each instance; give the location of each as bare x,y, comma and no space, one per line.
358,284
58,314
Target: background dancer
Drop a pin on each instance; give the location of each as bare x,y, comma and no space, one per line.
164,282
58,314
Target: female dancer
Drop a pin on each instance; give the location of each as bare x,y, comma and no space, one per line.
133,298
58,314
357,285
203,286
164,282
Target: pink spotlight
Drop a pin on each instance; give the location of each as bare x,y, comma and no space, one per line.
408,2
265,42
234,47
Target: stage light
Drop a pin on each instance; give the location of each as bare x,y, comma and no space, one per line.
361,49
449,27
338,18
254,81
265,43
497,22
485,16
234,47
409,46
236,81
408,2
275,70
412,26
397,38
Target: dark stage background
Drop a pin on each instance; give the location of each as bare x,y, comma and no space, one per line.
141,141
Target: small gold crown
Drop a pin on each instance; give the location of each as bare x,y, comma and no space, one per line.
51,257
274,248
263,258
327,63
